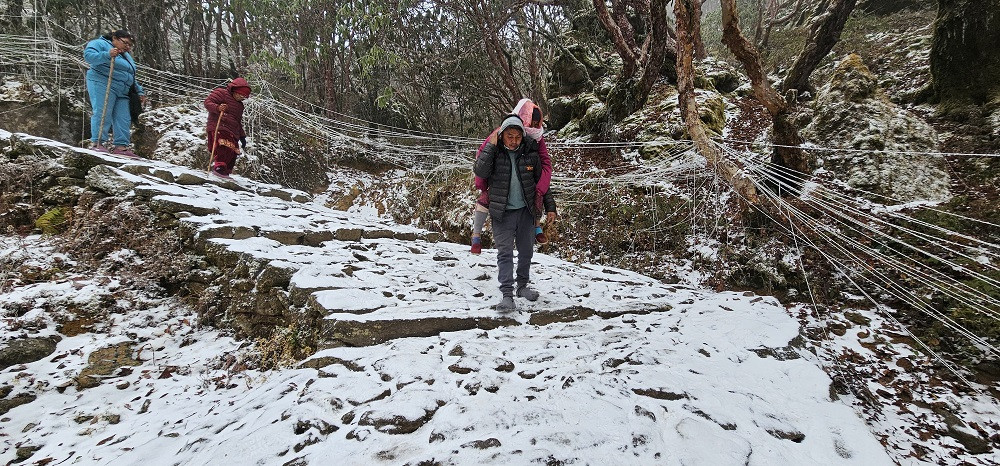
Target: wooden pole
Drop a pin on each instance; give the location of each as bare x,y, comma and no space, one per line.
215,141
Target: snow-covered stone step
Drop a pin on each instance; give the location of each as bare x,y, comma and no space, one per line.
379,290
280,260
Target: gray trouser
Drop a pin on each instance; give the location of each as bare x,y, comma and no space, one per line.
515,227
479,219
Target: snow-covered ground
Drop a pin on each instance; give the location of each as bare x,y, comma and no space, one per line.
657,374
671,387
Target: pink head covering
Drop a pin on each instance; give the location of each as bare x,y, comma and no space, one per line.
524,109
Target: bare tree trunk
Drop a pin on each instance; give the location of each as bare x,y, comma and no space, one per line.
220,41
758,29
659,45
629,94
699,45
625,49
728,170
529,36
824,35
787,150
206,43
330,89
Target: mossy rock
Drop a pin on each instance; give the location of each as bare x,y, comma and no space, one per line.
563,110
724,78
853,79
105,362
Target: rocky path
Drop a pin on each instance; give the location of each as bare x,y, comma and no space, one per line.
413,365
369,281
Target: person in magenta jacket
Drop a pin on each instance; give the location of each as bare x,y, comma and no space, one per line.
531,118
226,103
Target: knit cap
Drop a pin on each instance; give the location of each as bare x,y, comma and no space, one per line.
511,121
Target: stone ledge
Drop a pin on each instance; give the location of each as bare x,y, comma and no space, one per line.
338,332
343,331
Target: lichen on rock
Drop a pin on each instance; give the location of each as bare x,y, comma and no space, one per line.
853,113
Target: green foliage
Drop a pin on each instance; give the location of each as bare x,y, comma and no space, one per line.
52,222
277,65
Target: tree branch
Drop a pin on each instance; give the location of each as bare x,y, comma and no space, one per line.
689,106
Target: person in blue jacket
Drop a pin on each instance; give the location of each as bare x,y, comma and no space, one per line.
99,54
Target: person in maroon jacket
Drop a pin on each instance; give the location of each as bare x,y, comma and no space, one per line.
226,103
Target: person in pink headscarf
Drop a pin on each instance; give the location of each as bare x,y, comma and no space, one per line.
531,117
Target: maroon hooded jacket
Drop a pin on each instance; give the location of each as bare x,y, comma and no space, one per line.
232,120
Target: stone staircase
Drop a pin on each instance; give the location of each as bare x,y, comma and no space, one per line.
275,258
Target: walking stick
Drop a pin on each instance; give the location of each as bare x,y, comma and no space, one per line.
104,109
215,141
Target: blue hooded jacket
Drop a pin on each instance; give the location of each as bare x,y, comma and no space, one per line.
98,56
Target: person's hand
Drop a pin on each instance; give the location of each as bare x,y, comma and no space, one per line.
114,52
550,217
493,136
223,107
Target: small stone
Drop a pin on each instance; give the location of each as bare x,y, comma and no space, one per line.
505,366
24,453
122,385
482,444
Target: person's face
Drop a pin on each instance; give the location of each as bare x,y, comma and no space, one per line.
122,43
239,97
511,138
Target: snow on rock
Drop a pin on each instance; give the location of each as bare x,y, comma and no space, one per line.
414,366
659,388
851,112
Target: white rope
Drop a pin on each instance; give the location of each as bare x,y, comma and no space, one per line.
812,147
846,273
885,283
925,274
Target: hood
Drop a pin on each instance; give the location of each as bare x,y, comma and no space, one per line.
238,83
524,109
509,121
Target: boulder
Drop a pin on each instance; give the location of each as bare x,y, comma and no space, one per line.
26,350
851,112
105,362
108,180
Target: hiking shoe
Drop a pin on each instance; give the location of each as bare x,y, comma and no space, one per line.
219,169
477,245
101,149
540,238
527,293
124,152
506,304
